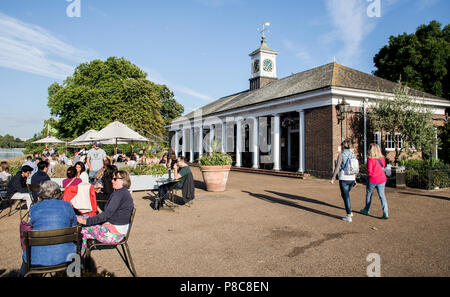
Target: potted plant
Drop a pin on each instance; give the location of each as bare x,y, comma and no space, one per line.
215,168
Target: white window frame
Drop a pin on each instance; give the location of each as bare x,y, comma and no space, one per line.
377,138
391,144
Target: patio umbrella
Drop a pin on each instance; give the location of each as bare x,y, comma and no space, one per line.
49,139
84,139
89,137
117,132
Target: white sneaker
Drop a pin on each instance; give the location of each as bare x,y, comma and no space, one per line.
347,219
350,215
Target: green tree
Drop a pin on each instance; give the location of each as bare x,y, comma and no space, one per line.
410,119
421,60
444,139
100,92
8,141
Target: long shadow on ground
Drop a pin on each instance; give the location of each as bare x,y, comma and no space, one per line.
289,203
310,200
425,195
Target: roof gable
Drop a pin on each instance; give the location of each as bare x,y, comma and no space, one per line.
321,77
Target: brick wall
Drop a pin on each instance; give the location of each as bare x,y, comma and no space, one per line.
319,140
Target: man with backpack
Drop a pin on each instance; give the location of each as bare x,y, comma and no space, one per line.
347,166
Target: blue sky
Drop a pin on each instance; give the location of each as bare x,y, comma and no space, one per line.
199,48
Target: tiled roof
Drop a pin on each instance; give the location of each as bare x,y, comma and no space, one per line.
322,77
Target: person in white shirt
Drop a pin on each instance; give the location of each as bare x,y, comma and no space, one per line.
95,160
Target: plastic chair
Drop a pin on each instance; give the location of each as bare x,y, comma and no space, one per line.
50,237
126,256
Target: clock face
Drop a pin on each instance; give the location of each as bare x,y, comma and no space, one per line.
267,65
255,66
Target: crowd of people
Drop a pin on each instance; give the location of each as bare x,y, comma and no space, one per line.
51,206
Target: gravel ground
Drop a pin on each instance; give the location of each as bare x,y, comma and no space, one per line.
278,227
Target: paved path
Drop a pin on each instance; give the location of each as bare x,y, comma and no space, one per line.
275,226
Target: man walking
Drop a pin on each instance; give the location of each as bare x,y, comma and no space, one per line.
96,158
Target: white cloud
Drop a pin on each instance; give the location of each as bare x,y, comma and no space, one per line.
30,48
350,26
158,78
301,53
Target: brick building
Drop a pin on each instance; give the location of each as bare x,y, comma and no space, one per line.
293,123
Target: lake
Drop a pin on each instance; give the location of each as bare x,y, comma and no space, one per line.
11,153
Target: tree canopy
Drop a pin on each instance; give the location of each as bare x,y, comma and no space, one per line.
421,60
100,92
9,141
411,120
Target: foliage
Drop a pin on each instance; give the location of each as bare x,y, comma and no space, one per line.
421,59
100,92
155,169
426,175
9,141
444,137
59,171
411,120
215,158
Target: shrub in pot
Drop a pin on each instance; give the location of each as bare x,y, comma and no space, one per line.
215,168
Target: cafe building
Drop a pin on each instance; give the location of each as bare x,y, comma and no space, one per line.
296,123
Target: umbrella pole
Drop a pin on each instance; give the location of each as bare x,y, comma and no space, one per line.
115,148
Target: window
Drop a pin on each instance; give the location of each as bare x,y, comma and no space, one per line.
393,142
377,138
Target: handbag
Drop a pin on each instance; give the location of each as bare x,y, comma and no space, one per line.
24,226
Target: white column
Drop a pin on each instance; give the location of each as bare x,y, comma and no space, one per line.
238,142
276,143
255,143
183,147
211,138
224,136
289,147
200,140
191,144
301,142
176,143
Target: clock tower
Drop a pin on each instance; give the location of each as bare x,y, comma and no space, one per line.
263,64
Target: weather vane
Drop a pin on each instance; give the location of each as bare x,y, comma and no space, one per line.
263,30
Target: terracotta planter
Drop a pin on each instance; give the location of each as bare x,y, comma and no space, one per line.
215,177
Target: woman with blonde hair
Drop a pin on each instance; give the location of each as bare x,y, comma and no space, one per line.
376,178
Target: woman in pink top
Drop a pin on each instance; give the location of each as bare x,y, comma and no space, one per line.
376,179
72,179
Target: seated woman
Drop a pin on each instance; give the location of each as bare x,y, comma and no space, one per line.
72,179
111,225
81,171
107,187
4,171
48,214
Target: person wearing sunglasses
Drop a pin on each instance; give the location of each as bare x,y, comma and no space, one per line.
111,225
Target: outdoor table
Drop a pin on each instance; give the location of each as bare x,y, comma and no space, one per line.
170,182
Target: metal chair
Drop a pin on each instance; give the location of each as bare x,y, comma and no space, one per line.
3,190
126,256
50,237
